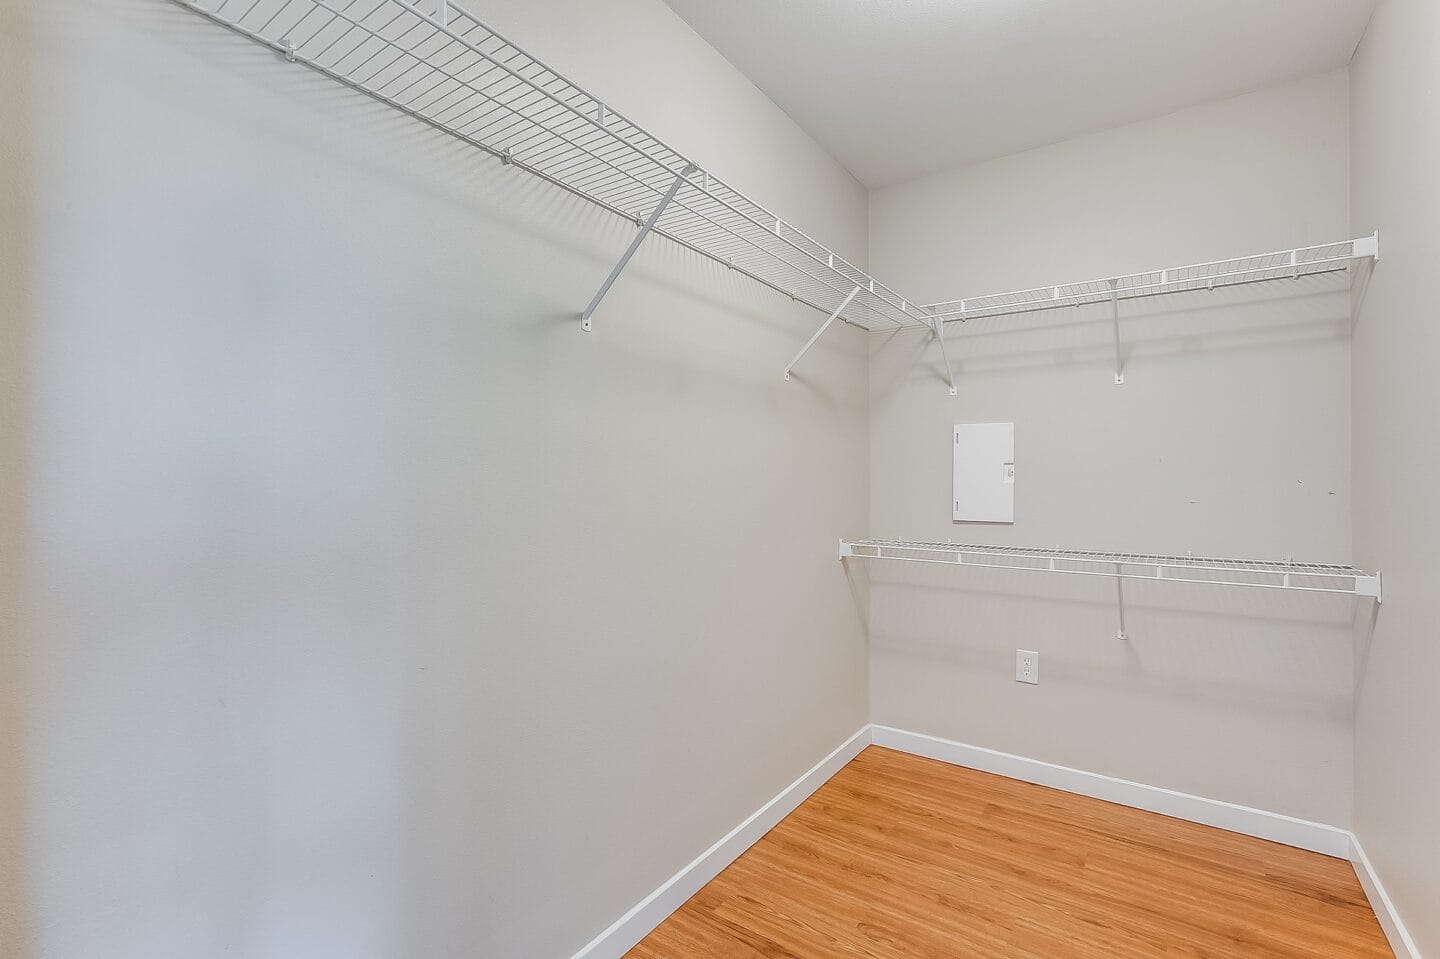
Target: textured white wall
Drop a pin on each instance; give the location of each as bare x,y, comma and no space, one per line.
380,612
1395,156
1229,437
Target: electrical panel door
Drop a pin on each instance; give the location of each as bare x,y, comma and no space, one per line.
984,473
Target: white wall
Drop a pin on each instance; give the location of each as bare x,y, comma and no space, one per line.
15,171
1395,156
379,611
1229,437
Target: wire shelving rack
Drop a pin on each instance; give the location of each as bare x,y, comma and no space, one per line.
436,62
1259,268
441,65
1210,571
1292,264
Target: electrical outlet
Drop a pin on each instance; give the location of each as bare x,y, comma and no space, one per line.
1027,666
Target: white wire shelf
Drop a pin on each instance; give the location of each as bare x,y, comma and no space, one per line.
1259,268
443,66
1210,571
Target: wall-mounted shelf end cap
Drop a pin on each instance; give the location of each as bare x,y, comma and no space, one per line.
1369,246
1369,586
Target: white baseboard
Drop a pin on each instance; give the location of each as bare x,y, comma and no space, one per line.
1400,942
1314,836
650,911
630,928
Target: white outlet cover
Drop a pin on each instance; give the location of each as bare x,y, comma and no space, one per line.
1027,666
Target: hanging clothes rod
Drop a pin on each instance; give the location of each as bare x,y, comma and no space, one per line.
1209,571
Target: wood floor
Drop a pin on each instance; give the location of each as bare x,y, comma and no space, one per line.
898,857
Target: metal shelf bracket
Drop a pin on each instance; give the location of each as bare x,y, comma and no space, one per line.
1115,320
1120,633
818,333
635,245
938,329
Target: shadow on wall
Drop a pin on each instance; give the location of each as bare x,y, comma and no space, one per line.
335,398
1258,652
15,192
1277,314
1367,615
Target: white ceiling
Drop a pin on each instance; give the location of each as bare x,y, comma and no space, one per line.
896,89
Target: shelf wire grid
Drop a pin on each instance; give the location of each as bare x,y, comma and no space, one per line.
1260,268
1207,570
442,65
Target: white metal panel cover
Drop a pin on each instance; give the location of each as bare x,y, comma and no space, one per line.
984,473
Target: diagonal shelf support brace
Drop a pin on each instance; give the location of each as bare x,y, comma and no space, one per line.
820,332
635,245
938,329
